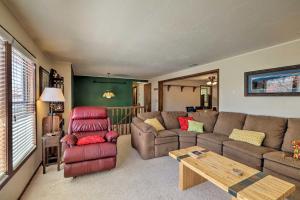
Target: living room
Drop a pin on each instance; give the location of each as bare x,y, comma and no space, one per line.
92,106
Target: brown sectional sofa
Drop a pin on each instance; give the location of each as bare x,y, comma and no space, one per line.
273,157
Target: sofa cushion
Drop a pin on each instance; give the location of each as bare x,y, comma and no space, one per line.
241,157
292,133
283,169
164,149
249,149
90,152
213,137
227,121
165,140
186,136
166,133
171,118
183,145
217,148
208,118
183,133
273,127
283,158
150,115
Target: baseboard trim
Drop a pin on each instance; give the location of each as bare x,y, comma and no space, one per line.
28,183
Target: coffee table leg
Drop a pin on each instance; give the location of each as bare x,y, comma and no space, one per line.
188,178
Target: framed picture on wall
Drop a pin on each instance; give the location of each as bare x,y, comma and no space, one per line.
43,79
282,81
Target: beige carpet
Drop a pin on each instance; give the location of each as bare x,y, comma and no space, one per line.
133,179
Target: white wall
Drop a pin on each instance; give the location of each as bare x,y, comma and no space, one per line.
232,81
177,100
64,69
140,94
215,96
16,184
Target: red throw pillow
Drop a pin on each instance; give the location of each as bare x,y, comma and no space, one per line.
91,139
183,121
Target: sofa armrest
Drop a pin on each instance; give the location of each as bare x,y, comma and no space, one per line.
69,140
112,136
146,128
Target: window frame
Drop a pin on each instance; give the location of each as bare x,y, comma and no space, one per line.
10,171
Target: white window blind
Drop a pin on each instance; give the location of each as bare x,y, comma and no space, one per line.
23,107
3,138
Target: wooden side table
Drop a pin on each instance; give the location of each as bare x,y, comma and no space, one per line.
47,142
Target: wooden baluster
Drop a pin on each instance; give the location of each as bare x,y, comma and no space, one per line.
117,122
130,119
126,123
120,121
112,118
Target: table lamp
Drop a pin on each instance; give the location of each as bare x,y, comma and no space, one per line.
52,95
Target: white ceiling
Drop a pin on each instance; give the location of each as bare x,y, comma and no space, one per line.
144,38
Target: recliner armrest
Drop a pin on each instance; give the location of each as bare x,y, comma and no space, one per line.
143,126
69,140
112,136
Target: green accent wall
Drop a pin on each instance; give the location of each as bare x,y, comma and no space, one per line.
87,92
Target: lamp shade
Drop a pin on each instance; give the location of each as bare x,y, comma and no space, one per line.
52,95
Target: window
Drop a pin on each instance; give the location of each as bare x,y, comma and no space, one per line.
3,114
23,107
17,105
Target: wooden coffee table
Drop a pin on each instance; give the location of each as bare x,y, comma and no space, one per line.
217,169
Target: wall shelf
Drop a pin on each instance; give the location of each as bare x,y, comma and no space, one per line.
181,87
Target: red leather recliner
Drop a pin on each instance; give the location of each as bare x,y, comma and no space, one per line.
89,158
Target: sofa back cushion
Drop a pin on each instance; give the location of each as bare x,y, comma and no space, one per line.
150,115
292,133
208,118
273,127
171,118
227,121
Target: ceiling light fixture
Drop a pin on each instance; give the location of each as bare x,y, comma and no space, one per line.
212,81
108,94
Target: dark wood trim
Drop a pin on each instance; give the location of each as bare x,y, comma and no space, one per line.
160,95
28,183
247,74
17,41
8,64
161,84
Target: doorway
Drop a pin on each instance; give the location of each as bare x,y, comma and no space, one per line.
141,95
190,93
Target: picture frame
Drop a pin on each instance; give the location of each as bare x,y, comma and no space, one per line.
43,79
281,81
